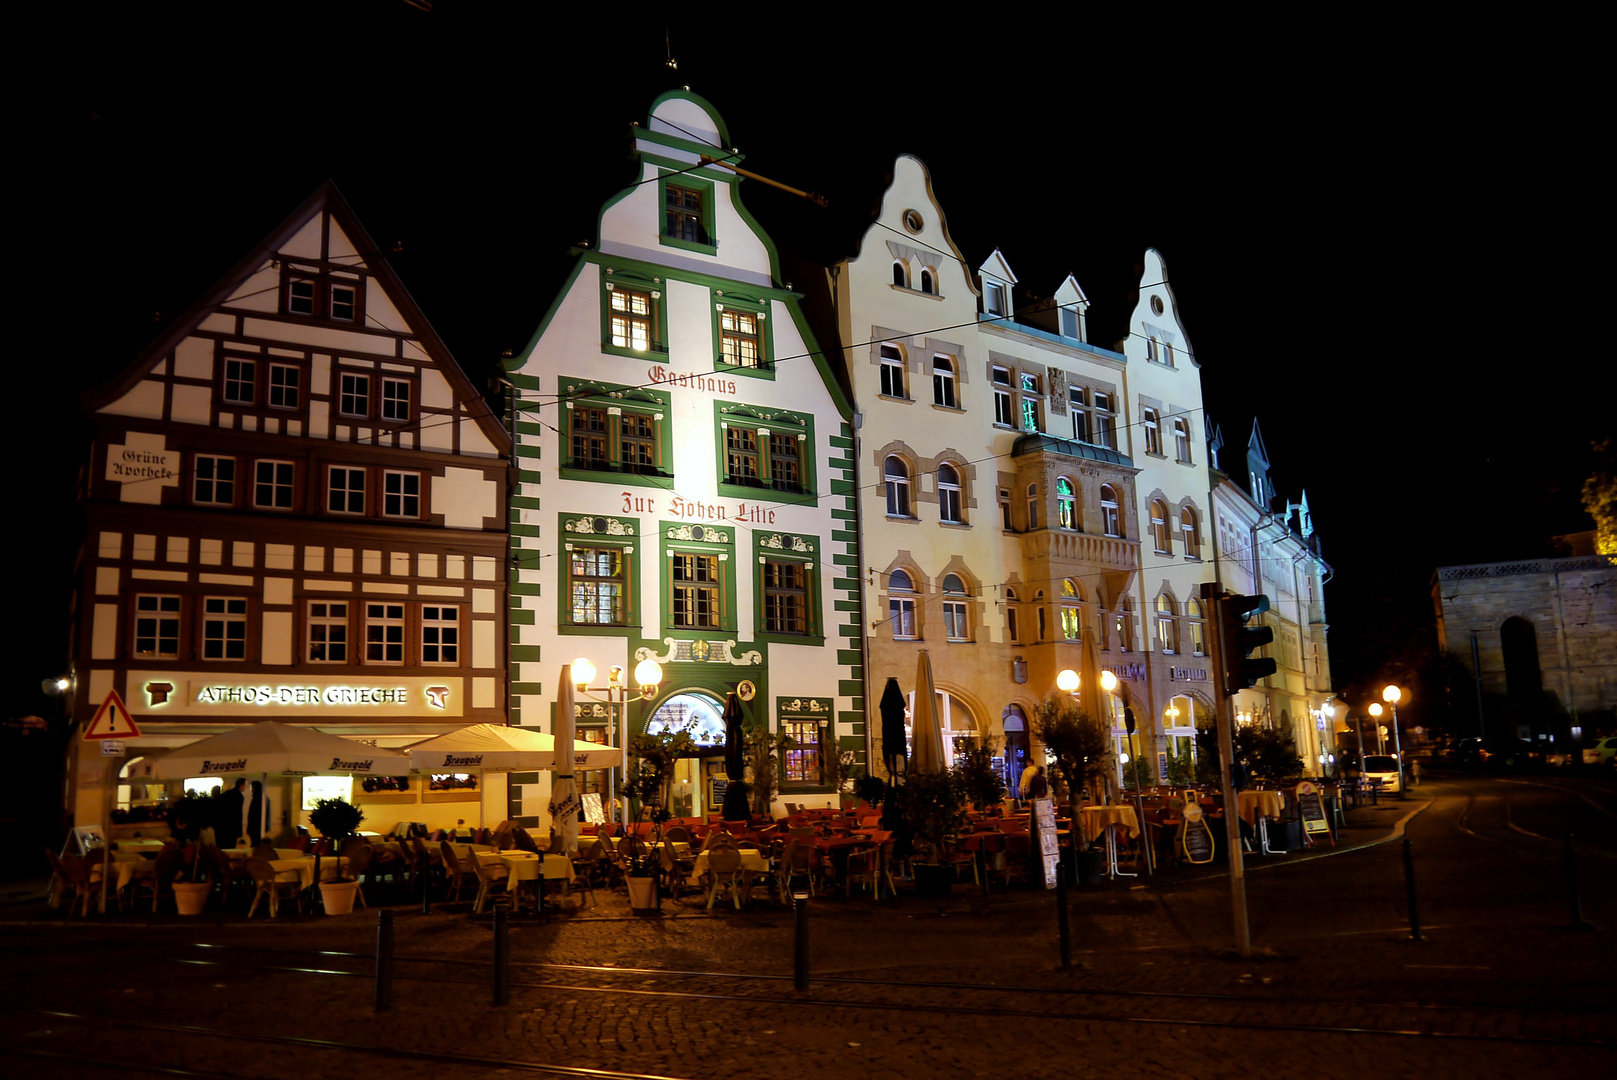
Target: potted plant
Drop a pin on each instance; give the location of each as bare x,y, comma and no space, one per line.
186,820
1082,747
930,807
985,784
764,748
652,758
337,820
870,790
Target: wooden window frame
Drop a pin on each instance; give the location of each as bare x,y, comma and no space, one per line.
327,620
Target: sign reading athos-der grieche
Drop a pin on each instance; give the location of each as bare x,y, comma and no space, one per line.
158,694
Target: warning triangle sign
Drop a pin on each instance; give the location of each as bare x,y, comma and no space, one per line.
112,721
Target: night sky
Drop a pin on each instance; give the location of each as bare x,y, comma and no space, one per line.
1377,246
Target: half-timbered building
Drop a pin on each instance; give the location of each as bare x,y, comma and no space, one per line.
295,511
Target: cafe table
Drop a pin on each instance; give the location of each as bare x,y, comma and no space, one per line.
1098,820
1256,808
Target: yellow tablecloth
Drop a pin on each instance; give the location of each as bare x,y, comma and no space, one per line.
1096,819
682,850
247,853
1251,804
751,861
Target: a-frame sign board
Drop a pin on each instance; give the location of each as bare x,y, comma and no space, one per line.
112,721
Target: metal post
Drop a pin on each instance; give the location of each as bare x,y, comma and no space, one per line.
1409,888
800,941
1574,903
502,949
1398,748
1062,925
384,960
1226,752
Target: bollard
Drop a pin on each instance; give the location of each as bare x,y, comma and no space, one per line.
800,941
1061,920
502,950
384,960
1573,902
1409,887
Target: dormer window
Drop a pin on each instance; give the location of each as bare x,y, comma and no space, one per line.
928,284
994,298
310,293
684,207
901,274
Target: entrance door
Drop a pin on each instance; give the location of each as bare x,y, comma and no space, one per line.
1016,747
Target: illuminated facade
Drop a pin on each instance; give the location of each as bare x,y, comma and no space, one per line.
1277,553
685,485
295,512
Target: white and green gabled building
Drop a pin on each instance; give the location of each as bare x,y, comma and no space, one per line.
685,479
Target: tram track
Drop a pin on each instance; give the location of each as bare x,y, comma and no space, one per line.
1147,1008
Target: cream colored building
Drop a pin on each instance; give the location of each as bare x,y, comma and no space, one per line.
1000,478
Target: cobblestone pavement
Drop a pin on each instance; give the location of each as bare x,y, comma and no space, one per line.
962,986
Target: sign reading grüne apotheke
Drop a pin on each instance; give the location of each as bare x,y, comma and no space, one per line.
162,694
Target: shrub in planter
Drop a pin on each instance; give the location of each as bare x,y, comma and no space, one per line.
337,819
984,784
929,806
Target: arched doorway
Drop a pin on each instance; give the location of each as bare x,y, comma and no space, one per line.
698,785
1017,749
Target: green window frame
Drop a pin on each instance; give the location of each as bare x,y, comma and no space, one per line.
686,206
786,589
698,579
808,721
616,434
634,315
590,545
765,454
743,335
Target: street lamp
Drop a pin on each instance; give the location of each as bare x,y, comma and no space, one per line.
1381,729
647,674
1068,680
1391,695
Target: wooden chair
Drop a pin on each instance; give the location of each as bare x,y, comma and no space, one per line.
492,877
864,864
957,857
724,871
797,861
264,876
358,857
678,832
76,875
266,851
455,874
169,863
676,871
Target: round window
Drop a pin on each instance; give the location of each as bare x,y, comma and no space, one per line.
1156,305
913,220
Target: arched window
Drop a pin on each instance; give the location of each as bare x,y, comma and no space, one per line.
1072,613
1111,521
943,382
1125,625
1159,527
1167,639
1190,533
898,487
1181,439
1012,622
948,494
901,605
901,274
1032,506
955,610
1193,622
1066,503
927,284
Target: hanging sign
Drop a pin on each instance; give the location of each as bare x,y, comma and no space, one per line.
1044,827
1195,838
111,721
592,808
1312,809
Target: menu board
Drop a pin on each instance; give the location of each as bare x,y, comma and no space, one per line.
1195,838
592,807
1044,827
1312,809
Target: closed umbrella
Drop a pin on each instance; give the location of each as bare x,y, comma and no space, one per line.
892,727
924,721
564,801
1095,704
735,761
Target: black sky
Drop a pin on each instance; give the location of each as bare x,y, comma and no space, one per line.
1378,245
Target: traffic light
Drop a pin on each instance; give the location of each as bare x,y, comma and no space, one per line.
1242,670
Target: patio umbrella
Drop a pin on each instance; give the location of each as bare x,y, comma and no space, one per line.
735,762
273,749
564,801
487,748
924,720
1095,703
892,727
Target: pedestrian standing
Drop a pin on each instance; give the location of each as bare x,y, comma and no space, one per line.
232,807
1027,777
258,814
1039,786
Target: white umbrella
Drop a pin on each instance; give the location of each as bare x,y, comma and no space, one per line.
488,748
564,801
926,732
272,749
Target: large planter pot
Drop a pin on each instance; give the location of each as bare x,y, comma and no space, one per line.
1286,835
191,896
642,893
337,897
933,880
1091,866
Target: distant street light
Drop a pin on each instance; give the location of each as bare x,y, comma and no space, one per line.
1381,730
1391,696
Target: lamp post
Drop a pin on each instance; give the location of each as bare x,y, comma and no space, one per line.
1381,729
1391,695
647,674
